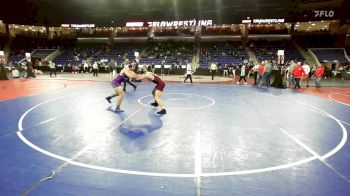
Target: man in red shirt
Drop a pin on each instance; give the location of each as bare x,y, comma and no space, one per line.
319,73
298,72
260,72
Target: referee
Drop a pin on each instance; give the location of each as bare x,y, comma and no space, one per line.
189,72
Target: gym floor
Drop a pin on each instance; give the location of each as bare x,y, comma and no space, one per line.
61,137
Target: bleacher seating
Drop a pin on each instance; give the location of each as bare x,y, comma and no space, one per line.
75,55
267,30
267,50
223,53
132,32
330,54
42,53
120,52
16,57
169,52
225,30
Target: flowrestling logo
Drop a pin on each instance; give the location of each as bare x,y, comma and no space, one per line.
180,23
324,13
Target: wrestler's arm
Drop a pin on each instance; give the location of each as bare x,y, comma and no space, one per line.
131,74
145,76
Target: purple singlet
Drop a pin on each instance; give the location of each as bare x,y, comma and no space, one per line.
118,81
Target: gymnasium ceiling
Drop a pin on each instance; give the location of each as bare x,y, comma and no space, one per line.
117,12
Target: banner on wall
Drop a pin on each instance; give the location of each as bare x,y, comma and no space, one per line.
175,23
78,25
264,21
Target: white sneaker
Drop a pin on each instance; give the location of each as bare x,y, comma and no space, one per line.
245,83
237,82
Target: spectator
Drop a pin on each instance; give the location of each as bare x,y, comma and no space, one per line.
30,71
267,73
260,72
298,73
85,66
306,68
290,77
255,70
319,74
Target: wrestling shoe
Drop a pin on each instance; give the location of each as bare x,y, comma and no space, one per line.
118,110
163,111
155,104
108,99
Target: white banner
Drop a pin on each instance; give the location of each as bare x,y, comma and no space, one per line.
134,24
78,25
281,20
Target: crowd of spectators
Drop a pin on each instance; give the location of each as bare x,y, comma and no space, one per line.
267,50
222,53
132,32
96,32
170,31
168,53
221,30
267,29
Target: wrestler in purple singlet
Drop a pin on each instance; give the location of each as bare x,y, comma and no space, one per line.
118,81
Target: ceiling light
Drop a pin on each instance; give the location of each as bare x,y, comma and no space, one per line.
313,24
297,25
